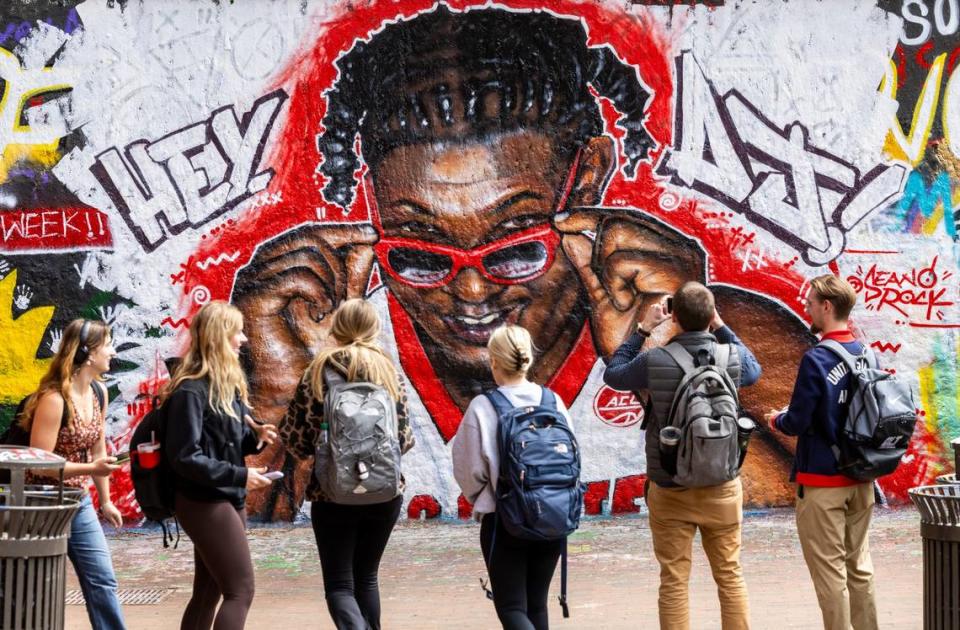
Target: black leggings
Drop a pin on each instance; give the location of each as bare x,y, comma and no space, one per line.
351,540
223,566
520,574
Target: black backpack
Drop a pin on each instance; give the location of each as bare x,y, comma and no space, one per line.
16,435
153,487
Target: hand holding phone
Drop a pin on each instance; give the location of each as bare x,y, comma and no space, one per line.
669,305
273,475
123,457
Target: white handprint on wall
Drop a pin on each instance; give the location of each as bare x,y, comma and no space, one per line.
109,313
55,337
22,297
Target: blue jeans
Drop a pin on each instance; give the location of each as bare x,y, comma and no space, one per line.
88,551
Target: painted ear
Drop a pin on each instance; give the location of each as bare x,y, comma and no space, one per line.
597,160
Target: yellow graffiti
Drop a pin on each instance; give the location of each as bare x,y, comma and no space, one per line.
927,388
20,370
909,147
36,144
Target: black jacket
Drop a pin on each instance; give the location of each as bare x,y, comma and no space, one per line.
205,448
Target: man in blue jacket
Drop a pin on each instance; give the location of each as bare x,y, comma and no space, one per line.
833,511
676,513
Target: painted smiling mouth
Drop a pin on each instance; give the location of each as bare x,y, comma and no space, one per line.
476,329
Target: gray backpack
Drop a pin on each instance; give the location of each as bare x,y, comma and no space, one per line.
880,419
705,409
358,458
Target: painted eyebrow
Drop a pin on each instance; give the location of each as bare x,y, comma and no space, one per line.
503,205
517,198
413,205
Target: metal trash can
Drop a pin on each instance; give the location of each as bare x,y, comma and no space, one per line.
34,529
952,477
939,508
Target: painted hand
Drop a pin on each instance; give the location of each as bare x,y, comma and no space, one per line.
629,266
287,294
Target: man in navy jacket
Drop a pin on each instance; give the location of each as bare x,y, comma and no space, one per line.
833,511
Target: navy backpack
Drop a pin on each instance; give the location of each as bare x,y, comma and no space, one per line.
539,494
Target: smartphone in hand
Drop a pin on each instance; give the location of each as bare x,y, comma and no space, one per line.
273,475
669,305
122,458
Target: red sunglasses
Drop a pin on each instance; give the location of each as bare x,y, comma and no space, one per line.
513,259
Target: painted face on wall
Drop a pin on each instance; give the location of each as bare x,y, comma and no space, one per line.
484,170
468,244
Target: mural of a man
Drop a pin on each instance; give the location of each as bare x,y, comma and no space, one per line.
486,162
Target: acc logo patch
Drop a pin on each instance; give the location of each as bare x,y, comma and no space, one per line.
618,409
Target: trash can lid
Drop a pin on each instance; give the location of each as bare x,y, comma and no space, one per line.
28,457
939,505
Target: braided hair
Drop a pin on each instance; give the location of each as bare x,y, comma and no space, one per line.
446,75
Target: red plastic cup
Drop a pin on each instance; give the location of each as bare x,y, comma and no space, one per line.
148,454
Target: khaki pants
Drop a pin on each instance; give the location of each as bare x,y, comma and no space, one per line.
832,524
675,516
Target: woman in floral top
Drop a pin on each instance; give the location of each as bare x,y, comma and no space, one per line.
66,416
350,538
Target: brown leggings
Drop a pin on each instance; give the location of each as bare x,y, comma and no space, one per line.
223,565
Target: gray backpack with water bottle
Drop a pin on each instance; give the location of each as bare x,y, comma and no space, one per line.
358,458
703,417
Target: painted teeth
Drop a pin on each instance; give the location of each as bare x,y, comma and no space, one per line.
483,321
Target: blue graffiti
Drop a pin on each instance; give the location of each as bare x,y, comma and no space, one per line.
920,200
13,32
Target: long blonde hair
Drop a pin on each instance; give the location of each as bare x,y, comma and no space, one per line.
355,328
512,347
211,357
67,361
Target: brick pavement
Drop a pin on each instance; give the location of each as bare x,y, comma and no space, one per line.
430,577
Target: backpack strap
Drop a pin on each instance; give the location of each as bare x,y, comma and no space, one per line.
842,353
332,377
681,355
98,393
500,402
548,399
721,356
563,580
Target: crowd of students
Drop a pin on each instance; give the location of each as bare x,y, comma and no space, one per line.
211,427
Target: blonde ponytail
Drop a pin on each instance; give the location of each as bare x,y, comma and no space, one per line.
355,328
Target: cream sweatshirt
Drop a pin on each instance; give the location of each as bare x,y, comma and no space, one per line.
476,458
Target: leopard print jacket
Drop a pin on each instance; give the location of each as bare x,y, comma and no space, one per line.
300,429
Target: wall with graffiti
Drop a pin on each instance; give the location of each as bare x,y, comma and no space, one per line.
561,164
